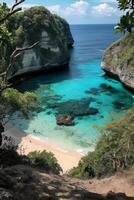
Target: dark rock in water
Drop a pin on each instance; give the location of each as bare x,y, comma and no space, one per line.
118,105
99,102
93,91
79,118
49,113
75,107
48,99
108,88
105,86
66,120
88,111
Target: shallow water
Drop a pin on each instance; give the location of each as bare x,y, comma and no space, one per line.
84,74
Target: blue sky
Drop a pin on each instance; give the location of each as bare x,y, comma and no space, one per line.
80,11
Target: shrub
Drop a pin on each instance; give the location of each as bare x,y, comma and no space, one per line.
114,151
24,102
45,161
9,155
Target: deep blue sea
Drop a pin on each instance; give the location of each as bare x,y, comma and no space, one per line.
84,74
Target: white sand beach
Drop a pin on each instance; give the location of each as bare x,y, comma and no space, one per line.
29,143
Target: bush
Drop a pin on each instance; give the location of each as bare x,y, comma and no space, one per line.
42,160
114,151
9,155
24,102
45,161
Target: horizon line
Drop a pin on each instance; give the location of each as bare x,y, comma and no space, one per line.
95,24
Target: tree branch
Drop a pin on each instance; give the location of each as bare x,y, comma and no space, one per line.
13,10
16,4
17,52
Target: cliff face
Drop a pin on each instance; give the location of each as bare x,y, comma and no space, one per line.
118,60
53,33
65,30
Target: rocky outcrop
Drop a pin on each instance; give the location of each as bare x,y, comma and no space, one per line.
66,120
53,33
67,111
118,60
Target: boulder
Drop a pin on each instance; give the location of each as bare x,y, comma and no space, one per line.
66,120
94,91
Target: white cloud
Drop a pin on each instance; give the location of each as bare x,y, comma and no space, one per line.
82,12
104,9
55,9
78,8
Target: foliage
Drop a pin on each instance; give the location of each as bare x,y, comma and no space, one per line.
5,38
9,155
123,49
32,22
114,150
127,20
45,160
24,102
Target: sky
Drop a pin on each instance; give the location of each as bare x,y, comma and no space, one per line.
79,11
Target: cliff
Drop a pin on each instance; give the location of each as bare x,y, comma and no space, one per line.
118,60
53,33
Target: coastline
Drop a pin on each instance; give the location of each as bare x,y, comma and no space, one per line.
28,143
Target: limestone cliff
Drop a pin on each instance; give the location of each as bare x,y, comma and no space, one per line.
54,35
118,60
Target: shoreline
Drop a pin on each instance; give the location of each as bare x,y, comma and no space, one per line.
28,143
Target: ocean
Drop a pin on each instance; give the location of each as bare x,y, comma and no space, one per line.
80,87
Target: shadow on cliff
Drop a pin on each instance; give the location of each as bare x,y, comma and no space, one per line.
32,81
22,182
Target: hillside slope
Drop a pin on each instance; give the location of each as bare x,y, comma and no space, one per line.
25,183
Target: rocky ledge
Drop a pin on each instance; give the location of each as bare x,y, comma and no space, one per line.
54,36
118,60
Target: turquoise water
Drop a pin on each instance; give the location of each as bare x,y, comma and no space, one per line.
81,81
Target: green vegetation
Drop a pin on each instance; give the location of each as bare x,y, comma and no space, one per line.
5,38
9,157
24,102
32,22
124,50
10,99
45,161
114,151
127,20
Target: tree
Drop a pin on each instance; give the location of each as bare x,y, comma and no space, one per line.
127,20
11,99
